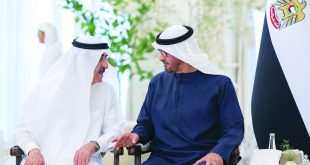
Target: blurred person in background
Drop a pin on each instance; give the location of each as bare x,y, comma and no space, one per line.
47,34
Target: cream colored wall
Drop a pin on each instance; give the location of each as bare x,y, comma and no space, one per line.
4,155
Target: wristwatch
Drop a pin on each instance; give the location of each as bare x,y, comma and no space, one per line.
96,144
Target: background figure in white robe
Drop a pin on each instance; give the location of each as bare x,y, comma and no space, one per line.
73,113
47,35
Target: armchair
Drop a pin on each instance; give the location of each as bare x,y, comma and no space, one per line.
138,149
18,153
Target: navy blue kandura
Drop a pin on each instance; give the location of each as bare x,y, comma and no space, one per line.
188,115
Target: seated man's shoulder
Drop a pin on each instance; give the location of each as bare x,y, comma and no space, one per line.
223,78
220,79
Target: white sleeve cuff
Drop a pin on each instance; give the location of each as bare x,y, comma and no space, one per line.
29,146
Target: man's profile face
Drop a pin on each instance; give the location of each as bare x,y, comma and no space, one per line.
100,68
171,63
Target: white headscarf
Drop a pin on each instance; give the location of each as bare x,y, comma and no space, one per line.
179,41
57,111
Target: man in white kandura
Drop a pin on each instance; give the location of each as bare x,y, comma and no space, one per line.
72,115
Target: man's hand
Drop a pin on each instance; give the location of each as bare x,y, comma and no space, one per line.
125,140
35,157
82,156
211,159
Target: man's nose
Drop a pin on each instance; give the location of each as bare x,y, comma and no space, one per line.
161,57
105,65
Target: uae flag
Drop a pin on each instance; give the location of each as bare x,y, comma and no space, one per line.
281,93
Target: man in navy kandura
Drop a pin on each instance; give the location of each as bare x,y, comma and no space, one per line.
191,112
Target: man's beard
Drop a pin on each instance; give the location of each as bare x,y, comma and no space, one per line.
170,70
169,67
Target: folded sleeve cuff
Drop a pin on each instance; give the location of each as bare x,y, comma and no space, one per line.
223,151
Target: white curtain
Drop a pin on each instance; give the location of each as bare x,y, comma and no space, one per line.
248,58
20,54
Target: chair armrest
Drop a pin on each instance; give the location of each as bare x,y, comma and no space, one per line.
235,156
114,152
139,149
117,155
119,152
16,151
